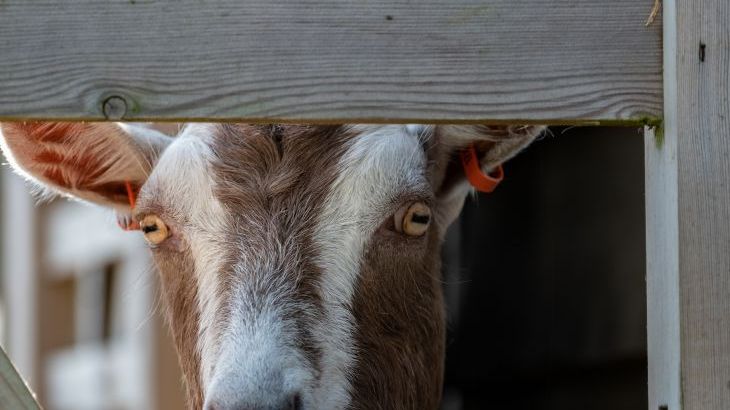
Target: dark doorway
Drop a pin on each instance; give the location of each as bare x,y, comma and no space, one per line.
545,280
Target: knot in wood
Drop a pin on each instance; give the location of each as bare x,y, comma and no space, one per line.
114,107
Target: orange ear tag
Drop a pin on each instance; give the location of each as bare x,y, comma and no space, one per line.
127,223
479,180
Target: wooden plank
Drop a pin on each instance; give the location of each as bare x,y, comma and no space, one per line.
14,394
557,61
20,275
662,281
688,214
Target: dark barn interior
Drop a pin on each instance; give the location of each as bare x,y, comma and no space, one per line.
545,280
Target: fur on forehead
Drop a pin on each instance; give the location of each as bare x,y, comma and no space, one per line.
180,181
266,163
262,161
279,154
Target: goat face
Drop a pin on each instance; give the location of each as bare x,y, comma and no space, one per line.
299,264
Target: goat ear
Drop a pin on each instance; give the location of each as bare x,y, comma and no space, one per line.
90,161
494,145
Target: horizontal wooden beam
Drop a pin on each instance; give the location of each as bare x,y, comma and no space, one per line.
557,61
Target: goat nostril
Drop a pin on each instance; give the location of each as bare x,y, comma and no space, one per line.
296,402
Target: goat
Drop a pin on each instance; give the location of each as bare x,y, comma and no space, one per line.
300,265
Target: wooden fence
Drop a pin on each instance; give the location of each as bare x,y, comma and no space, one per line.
529,61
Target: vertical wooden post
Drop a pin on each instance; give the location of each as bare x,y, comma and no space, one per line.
19,279
19,273
688,213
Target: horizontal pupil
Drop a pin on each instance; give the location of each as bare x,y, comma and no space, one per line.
420,219
149,228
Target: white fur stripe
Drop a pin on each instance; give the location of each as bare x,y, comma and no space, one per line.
182,177
380,163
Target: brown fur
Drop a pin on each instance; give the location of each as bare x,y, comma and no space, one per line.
399,309
277,177
179,291
400,324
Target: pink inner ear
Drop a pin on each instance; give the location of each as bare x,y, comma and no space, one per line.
48,157
71,156
82,167
71,170
48,132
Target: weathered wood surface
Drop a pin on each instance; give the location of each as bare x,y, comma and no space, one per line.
14,394
662,280
688,214
553,61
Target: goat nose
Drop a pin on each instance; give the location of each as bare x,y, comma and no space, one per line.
293,402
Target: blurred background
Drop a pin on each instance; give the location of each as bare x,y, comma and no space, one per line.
544,281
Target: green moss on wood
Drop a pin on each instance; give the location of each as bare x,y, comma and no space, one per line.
659,136
133,106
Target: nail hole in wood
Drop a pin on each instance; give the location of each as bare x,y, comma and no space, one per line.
702,52
114,107
663,407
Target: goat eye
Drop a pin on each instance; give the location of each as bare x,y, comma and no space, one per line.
413,219
155,231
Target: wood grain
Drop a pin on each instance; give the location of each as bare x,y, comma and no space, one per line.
688,214
662,279
556,61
